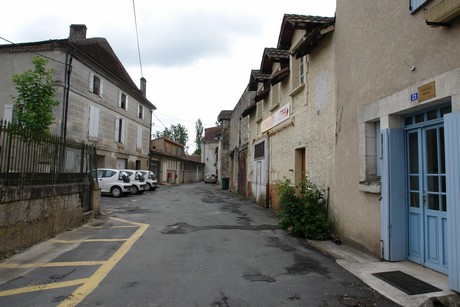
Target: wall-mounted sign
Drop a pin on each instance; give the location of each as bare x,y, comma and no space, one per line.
281,115
426,91
413,96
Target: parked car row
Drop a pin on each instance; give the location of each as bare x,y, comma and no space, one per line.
118,182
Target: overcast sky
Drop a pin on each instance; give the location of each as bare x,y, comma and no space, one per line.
196,55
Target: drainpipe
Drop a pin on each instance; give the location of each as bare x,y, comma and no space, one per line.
65,99
65,105
267,191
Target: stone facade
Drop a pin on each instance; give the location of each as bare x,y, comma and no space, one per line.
100,104
239,172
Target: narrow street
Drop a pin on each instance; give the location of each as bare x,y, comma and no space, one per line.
186,245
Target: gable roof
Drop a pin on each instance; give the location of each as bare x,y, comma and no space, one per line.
212,134
224,115
256,77
292,22
94,52
272,55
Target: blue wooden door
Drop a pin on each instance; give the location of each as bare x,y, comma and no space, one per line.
427,197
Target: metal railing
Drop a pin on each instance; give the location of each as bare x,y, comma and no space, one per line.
28,159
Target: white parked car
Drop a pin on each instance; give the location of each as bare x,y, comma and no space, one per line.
111,182
137,180
150,179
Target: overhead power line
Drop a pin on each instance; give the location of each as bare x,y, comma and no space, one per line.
137,38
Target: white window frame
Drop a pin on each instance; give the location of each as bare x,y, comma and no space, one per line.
8,113
120,100
302,70
93,81
120,131
93,131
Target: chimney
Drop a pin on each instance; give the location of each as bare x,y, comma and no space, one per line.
144,86
77,32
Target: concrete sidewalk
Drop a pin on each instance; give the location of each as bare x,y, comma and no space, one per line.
363,265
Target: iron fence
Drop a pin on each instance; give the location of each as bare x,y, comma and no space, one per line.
28,159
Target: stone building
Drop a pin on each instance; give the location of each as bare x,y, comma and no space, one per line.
239,169
100,103
210,148
223,167
293,116
169,161
397,171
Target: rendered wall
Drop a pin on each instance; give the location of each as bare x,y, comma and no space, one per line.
376,46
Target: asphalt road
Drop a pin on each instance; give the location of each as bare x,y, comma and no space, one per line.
185,245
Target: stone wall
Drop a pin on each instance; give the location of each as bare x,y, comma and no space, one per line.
31,214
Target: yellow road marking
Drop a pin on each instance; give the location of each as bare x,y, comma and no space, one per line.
87,284
54,285
118,226
88,240
84,290
48,264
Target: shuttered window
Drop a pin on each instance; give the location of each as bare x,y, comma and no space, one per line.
93,121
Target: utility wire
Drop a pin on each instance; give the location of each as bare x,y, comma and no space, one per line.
159,119
39,54
137,37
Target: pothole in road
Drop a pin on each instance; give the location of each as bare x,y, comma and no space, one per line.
257,276
276,242
304,265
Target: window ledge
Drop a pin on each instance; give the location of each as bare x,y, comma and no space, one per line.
297,89
373,187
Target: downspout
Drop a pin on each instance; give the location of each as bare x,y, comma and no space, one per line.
267,191
65,105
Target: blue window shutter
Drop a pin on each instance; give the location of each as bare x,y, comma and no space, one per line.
452,149
393,205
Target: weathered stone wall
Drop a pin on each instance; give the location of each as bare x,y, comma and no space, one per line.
31,214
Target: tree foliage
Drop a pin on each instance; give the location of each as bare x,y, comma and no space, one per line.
36,98
178,133
199,136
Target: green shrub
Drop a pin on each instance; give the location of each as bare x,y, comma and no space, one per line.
303,215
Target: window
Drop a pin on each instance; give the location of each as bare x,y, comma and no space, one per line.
123,100
8,113
140,111
416,4
259,111
95,84
259,150
302,70
93,122
275,96
119,130
139,138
